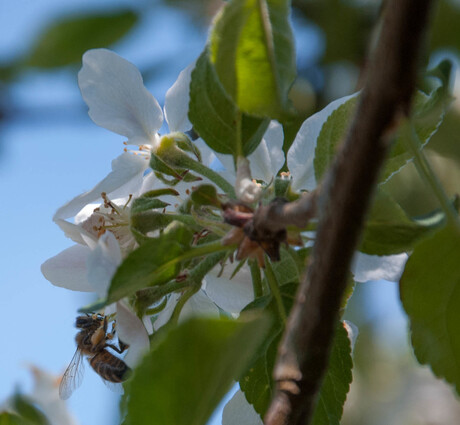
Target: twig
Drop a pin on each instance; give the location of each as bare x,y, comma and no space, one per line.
278,215
342,205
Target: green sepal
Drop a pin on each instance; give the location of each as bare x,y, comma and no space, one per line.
146,203
149,221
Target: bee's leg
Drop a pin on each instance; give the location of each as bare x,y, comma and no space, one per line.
111,334
122,345
105,324
120,350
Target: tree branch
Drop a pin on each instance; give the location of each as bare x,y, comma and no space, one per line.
343,202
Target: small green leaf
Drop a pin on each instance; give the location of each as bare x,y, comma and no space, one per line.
205,194
149,221
430,294
64,42
390,231
253,52
216,118
207,356
146,203
141,268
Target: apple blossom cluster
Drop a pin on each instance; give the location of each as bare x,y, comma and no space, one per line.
99,221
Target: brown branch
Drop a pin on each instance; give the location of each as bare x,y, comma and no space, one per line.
278,215
342,205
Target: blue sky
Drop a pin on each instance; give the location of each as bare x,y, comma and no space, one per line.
50,152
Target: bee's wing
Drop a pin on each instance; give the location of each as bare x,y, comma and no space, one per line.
73,376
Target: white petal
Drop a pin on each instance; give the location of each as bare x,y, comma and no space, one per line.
230,295
114,91
68,269
268,158
73,231
302,151
199,305
46,394
374,267
126,168
85,213
131,331
176,102
166,313
103,262
239,412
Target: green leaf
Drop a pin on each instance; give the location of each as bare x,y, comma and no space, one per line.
258,384
185,376
216,118
146,203
141,268
430,294
8,418
252,50
390,231
205,194
64,42
290,267
336,383
149,200
332,132
156,262
149,221
427,115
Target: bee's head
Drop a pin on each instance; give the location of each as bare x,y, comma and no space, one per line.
89,321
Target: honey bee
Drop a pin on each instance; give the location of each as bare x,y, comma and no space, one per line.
92,342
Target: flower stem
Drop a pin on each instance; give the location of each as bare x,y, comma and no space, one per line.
198,167
274,288
256,279
148,296
181,302
425,170
157,309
